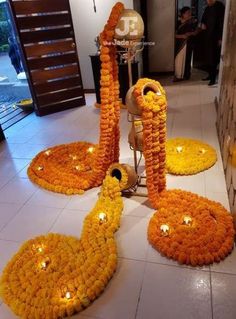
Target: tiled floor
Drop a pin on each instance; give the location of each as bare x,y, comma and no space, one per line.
146,285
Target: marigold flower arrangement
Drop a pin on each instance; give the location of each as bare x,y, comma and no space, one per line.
191,229
188,156
154,108
56,173
55,276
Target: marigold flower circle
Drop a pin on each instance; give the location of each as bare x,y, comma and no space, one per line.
65,168
191,229
188,156
55,276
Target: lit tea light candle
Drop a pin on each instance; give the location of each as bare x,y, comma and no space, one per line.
40,168
48,152
165,230
102,218
68,295
40,249
203,151
43,265
90,149
74,157
179,149
187,220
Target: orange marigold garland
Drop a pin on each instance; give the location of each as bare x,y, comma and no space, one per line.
108,150
57,173
191,229
154,107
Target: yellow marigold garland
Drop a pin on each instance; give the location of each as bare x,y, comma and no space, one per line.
154,108
188,156
63,180
191,229
55,276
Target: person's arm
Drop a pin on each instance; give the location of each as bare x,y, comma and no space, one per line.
220,23
204,20
181,36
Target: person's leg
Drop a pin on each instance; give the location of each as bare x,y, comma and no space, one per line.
188,61
214,66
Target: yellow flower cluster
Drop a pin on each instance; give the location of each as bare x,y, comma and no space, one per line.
187,156
64,168
153,104
55,276
191,229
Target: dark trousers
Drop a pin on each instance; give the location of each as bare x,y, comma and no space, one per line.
189,53
213,64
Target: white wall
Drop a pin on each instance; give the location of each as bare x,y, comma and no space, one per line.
88,25
161,30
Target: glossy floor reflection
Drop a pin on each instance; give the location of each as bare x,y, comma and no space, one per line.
146,285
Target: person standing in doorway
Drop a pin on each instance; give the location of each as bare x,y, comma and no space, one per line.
186,30
14,55
213,24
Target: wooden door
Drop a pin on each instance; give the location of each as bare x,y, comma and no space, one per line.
46,34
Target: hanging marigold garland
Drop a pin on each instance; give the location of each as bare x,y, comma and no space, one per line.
59,178
154,107
187,156
191,229
55,276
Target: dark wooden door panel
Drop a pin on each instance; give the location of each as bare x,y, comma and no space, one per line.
43,21
54,97
36,50
47,38
57,85
45,75
40,6
46,35
46,62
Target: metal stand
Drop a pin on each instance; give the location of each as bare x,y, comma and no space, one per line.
128,55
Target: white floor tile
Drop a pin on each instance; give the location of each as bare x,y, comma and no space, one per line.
18,190
172,292
227,265
7,212
30,222
70,222
84,202
49,199
120,298
132,238
223,296
7,250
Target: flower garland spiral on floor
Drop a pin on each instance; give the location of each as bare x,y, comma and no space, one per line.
154,107
59,178
187,156
55,276
191,229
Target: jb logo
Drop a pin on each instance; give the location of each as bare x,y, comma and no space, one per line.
129,26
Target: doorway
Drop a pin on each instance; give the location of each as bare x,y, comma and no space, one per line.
13,83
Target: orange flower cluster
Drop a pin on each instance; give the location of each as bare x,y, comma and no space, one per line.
154,107
108,150
64,168
191,229
59,172
55,276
